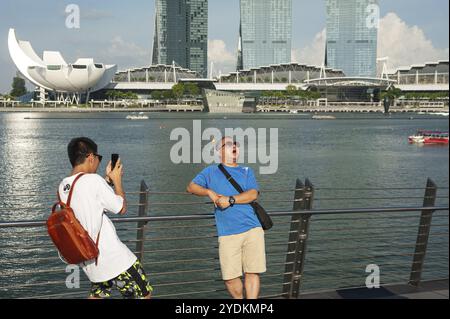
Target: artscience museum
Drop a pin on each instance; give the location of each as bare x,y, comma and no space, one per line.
52,73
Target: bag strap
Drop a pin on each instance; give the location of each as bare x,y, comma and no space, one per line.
230,179
69,199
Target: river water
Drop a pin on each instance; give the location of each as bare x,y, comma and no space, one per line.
357,160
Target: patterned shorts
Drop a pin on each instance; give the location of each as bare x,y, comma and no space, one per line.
132,284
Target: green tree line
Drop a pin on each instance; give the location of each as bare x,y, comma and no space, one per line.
117,95
178,91
292,92
395,93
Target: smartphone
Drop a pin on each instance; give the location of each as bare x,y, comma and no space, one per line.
114,159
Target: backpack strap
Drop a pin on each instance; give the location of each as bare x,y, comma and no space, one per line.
60,203
69,199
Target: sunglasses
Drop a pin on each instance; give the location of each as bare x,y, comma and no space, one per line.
230,144
96,155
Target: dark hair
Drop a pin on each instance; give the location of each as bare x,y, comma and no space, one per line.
79,148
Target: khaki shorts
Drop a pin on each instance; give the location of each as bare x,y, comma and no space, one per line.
242,252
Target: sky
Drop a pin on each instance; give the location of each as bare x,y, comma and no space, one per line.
121,32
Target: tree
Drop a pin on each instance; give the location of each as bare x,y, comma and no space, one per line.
167,95
18,87
178,90
192,89
291,90
392,94
111,95
279,94
157,95
130,96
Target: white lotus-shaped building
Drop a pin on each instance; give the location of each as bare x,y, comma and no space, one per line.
53,73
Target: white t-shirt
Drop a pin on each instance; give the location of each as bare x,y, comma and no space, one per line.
92,197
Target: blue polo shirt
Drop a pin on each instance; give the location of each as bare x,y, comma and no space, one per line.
239,218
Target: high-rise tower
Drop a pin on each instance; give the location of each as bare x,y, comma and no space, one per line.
265,33
352,31
181,34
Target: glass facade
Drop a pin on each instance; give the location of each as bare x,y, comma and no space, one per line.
265,33
352,31
181,34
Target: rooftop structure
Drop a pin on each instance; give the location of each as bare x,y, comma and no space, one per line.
431,76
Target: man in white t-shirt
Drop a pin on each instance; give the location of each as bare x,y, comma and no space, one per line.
93,196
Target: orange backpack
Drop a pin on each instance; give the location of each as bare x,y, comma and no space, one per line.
70,238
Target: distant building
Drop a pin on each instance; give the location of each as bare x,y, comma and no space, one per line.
224,102
265,33
428,77
51,73
352,31
181,34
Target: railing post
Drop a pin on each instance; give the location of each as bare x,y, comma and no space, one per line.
423,235
142,212
298,235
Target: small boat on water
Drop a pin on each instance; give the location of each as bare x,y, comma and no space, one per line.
429,137
323,117
441,114
293,111
140,116
434,113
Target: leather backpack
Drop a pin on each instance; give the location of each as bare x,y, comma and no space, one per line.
70,238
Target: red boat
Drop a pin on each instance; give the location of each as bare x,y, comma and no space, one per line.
429,137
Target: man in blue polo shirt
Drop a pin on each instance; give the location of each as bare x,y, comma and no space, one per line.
241,237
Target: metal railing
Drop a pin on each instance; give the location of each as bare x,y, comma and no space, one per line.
308,249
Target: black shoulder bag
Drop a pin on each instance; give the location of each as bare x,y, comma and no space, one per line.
263,217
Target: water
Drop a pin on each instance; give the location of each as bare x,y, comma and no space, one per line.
357,151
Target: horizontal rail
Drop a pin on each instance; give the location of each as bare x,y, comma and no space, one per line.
378,217
359,257
39,223
375,188
373,228
51,194
282,190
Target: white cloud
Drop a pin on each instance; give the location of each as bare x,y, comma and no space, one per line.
126,54
223,59
403,44
313,53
